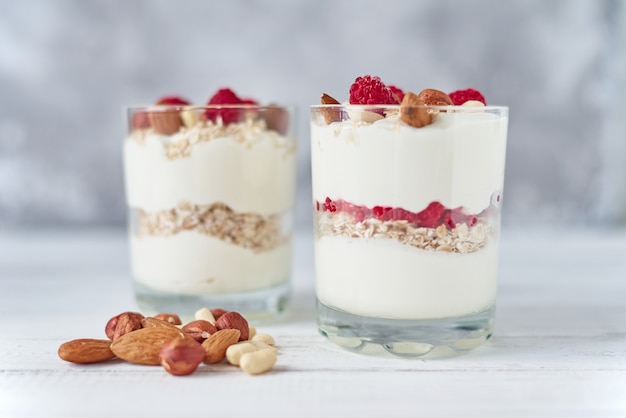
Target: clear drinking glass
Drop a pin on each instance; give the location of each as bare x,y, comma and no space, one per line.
406,224
210,193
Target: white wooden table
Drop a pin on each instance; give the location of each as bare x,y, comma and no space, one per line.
559,348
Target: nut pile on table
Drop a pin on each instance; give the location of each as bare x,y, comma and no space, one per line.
163,339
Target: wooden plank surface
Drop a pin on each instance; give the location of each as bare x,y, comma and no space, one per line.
559,347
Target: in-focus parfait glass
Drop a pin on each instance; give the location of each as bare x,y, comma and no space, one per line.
210,193
406,225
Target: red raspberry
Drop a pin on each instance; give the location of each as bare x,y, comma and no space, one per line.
430,217
249,101
172,100
461,96
397,91
371,90
224,96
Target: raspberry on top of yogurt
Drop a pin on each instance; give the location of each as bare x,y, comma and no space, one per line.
461,96
369,90
226,96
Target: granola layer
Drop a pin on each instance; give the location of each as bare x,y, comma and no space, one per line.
249,230
461,239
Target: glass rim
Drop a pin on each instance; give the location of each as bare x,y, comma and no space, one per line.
191,107
473,109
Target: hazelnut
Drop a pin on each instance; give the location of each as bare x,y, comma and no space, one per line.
181,356
123,323
413,111
432,97
199,329
217,312
169,317
234,320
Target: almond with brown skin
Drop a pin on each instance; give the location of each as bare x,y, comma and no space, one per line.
413,111
166,122
216,345
86,350
144,345
149,322
331,114
234,320
432,97
123,323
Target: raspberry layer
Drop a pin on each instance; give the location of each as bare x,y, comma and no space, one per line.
432,216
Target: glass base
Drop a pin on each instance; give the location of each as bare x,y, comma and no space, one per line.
257,306
427,338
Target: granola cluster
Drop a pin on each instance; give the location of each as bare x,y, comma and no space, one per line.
462,239
248,132
249,230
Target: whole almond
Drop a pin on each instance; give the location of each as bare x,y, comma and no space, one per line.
235,351
234,320
205,314
86,350
190,116
123,323
413,111
432,97
165,122
144,345
199,329
257,362
172,318
216,345
149,322
331,114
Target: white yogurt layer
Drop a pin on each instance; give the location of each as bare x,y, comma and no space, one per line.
193,263
254,176
458,161
382,278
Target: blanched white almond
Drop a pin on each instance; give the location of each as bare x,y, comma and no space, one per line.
264,338
258,362
235,351
363,115
189,117
251,332
206,315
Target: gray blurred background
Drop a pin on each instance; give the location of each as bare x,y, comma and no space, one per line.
68,67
